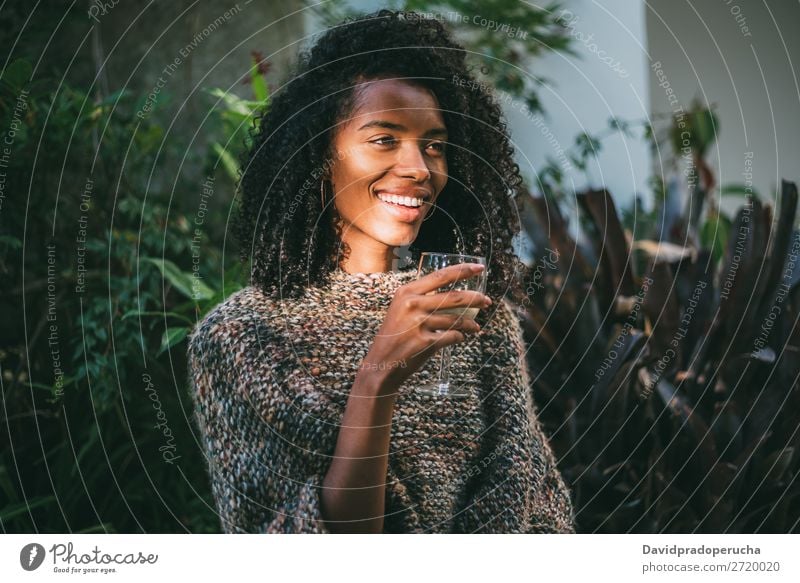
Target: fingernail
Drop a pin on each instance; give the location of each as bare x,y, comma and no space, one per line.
477,267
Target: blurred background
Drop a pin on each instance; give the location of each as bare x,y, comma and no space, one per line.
659,142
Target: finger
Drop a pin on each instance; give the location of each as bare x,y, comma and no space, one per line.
439,322
445,276
442,339
453,300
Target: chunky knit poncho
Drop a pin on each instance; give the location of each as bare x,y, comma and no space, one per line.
271,379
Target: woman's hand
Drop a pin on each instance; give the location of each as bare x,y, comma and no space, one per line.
414,329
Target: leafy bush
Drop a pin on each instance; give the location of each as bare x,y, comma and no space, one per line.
671,392
103,274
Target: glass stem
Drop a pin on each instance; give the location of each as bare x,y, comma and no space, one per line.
444,370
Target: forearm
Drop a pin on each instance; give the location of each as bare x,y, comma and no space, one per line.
354,487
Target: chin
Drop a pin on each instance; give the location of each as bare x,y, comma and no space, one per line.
397,236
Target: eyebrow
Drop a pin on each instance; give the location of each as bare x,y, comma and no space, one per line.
382,123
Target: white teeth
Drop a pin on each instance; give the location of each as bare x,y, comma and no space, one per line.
402,200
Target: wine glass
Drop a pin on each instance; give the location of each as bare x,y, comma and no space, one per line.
428,263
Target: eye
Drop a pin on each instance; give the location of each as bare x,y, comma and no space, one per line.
384,141
439,147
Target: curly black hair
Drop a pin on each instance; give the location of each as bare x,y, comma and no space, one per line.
282,226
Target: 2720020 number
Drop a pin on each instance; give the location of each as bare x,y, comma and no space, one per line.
755,566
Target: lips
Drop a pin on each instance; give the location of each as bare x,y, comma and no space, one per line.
404,213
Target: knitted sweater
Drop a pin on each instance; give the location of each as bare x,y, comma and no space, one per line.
271,379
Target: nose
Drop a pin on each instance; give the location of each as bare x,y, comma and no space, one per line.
411,162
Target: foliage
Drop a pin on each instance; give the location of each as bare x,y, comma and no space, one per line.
237,115
666,363
671,392
103,277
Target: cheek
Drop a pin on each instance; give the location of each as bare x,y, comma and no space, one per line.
360,169
353,176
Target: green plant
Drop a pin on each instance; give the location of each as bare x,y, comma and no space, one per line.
671,391
236,116
111,276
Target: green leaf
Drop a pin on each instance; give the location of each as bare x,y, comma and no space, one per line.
115,96
13,510
588,144
705,126
618,124
697,129
235,103
131,313
184,282
17,74
258,82
12,242
229,163
171,337
738,190
236,119
714,234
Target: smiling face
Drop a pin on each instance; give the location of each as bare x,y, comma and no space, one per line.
390,166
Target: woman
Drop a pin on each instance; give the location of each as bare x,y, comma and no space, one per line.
305,380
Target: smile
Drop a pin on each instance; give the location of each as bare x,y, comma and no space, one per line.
406,209
407,201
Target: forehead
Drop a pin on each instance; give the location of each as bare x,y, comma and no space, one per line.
394,98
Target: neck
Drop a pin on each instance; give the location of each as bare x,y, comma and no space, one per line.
368,256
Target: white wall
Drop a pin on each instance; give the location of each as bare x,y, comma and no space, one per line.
749,73
607,77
